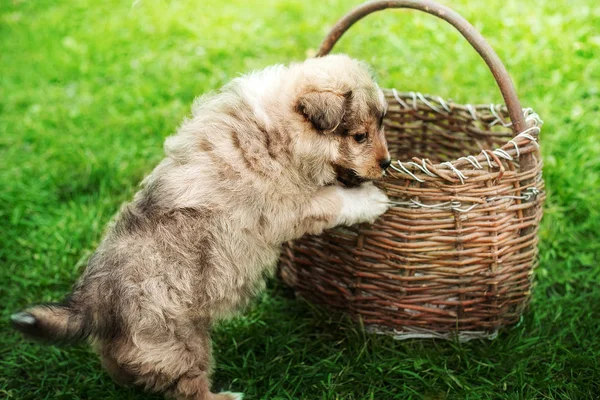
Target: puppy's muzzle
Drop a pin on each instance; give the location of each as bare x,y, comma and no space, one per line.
385,163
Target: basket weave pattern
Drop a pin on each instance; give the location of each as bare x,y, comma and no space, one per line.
455,253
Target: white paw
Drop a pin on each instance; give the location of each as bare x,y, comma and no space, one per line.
361,204
233,395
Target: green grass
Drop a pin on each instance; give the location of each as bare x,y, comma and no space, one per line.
89,90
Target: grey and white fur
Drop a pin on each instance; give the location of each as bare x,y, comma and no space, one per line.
257,164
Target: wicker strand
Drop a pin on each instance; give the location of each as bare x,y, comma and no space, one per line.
399,100
498,118
404,170
528,195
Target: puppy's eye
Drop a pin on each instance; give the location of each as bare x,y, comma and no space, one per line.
360,138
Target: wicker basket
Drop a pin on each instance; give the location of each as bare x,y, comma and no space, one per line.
454,255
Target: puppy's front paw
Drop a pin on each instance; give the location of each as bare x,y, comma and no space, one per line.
362,204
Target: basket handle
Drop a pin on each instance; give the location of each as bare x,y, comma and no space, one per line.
462,25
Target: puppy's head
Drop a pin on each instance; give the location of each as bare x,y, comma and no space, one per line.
343,110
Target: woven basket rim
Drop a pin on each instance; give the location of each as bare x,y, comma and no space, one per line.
422,169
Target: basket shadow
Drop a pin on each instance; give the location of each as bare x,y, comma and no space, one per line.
285,342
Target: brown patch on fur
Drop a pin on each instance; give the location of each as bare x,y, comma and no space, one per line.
320,218
268,143
262,221
225,171
250,156
324,109
238,146
205,145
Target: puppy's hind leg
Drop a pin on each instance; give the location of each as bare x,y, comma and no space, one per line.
191,361
177,363
112,366
196,386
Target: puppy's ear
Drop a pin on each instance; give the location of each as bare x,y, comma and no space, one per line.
324,109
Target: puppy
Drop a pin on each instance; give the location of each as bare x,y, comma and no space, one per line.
256,165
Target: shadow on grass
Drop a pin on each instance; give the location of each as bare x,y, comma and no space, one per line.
286,348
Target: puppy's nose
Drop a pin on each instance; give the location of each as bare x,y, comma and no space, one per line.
384,164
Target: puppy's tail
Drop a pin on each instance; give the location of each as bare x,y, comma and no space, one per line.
51,323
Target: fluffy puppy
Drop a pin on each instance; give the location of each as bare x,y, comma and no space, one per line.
256,165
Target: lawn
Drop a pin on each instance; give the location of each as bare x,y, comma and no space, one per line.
90,89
